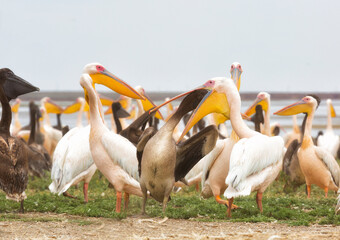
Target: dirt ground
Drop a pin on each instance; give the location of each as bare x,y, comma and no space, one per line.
62,226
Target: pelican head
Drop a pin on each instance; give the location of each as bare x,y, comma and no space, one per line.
262,99
236,71
307,104
215,101
100,75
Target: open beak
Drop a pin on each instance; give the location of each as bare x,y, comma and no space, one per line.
148,104
258,101
52,107
175,98
116,84
236,76
295,108
15,86
212,102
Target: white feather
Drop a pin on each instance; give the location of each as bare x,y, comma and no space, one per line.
260,180
330,162
210,158
250,156
123,153
330,141
72,160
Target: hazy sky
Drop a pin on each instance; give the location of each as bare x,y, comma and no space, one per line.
286,45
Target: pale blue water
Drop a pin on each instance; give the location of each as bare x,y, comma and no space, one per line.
319,122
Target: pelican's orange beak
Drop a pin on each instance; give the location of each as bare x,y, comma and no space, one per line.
295,108
333,114
114,83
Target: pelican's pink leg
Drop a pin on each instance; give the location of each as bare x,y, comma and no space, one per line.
118,202
85,189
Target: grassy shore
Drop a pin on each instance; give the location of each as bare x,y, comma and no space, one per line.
293,208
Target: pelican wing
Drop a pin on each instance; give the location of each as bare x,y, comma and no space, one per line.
72,157
252,155
194,149
144,138
330,163
122,152
135,129
329,141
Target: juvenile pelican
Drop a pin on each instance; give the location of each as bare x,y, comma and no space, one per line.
255,159
317,164
13,151
163,161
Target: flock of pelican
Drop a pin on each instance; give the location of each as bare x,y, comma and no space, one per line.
147,161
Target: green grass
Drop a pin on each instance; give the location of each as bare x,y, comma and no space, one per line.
292,208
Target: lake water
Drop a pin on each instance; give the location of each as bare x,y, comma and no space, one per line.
319,122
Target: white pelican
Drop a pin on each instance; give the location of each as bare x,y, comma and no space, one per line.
329,139
72,159
255,159
216,163
317,164
107,148
51,135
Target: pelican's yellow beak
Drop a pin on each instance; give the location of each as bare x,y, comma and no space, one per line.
295,108
75,107
236,76
218,118
148,104
212,102
106,101
86,96
52,107
333,114
258,101
114,83
15,106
